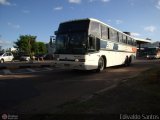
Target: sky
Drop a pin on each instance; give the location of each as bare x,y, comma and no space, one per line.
42,17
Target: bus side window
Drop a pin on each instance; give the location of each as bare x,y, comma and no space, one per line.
120,37
95,29
113,35
104,32
124,39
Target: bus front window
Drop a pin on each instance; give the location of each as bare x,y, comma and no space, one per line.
73,43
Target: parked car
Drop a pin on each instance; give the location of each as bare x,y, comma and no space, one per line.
42,57
39,57
6,57
25,58
48,57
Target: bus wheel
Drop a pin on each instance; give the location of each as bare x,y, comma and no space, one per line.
126,62
1,61
130,60
100,64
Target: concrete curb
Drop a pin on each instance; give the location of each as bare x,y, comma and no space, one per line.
26,65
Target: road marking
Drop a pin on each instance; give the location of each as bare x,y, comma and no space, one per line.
7,72
31,70
47,68
106,89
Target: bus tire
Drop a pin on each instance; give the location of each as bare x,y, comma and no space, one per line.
126,62
2,61
130,60
101,64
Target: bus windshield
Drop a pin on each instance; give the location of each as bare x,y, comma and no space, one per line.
72,37
72,43
73,26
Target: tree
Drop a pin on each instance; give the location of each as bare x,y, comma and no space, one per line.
40,48
25,44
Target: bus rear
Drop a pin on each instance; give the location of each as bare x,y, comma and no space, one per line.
153,53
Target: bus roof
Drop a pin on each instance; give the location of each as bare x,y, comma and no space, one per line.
93,19
139,40
96,20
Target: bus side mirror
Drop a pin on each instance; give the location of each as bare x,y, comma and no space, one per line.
56,32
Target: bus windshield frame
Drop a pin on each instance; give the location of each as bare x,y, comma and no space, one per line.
73,43
72,37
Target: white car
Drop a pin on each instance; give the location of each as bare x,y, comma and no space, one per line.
6,57
25,58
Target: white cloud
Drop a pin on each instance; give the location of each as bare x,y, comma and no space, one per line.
13,25
119,22
75,1
99,0
26,11
131,2
150,28
4,42
105,0
108,21
158,4
135,34
91,0
7,3
4,2
58,8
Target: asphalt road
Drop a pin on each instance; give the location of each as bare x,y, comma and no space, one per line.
44,91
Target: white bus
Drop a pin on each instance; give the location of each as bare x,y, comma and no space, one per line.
152,52
88,44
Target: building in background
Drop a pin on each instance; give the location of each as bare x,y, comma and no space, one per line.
153,44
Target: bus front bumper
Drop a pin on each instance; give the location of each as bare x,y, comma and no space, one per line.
74,65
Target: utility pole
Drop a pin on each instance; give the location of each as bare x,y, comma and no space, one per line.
52,44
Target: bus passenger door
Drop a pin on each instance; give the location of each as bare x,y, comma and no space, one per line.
93,43
93,50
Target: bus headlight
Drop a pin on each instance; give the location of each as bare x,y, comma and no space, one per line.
76,60
79,60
